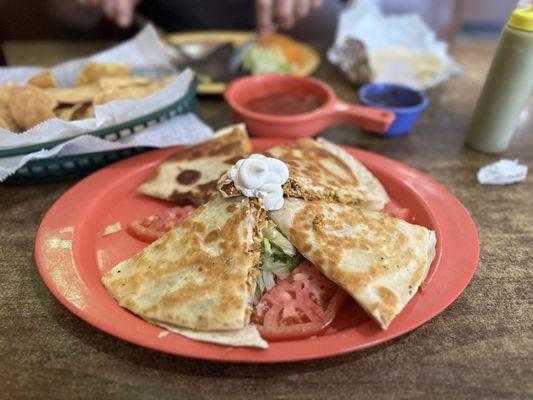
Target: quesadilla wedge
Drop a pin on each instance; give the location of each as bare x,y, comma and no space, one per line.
379,260
321,170
200,275
190,176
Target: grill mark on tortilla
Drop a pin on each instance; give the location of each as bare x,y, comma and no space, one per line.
212,236
200,195
188,177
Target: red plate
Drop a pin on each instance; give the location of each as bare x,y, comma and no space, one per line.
72,254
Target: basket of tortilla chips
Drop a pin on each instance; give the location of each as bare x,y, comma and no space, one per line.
23,107
29,105
111,95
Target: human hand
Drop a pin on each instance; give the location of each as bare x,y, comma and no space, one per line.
282,13
118,11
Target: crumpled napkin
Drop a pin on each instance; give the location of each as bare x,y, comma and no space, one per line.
181,130
503,172
401,49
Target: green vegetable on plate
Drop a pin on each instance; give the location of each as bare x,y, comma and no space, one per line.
278,258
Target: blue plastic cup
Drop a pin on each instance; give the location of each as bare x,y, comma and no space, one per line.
405,102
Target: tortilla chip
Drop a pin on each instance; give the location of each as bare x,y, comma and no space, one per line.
116,82
76,112
128,93
44,80
6,121
132,92
30,106
79,94
86,111
94,71
63,113
161,83
67,113
6,91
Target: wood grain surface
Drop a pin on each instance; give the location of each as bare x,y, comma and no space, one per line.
479,348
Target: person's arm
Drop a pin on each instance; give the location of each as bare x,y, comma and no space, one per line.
271,14
73,13
87,13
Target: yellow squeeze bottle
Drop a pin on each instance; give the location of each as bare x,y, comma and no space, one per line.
507,87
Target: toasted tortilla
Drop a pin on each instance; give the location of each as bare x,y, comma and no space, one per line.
190,176
246,337
379,260
200,275
321,170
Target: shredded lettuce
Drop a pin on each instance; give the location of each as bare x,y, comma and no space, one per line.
278,258
272,234
265,60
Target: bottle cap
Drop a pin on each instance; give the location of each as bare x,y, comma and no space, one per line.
522,18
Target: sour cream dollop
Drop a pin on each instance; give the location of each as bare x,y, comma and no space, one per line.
261,177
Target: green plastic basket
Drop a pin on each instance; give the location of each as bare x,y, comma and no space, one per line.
77,166
68,167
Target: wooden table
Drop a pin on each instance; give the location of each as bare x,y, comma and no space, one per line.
479,348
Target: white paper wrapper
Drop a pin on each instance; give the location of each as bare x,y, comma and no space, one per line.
503,172
148,58
401,48
181,130
246,337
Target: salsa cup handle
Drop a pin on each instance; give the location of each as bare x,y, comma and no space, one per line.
368,118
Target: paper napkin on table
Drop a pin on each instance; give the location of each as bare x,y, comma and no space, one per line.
181,130
401,48
503,172
148,58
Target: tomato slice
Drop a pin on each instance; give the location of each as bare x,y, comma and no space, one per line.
153,227
302,305
395,210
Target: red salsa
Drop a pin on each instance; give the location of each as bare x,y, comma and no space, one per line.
284,103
